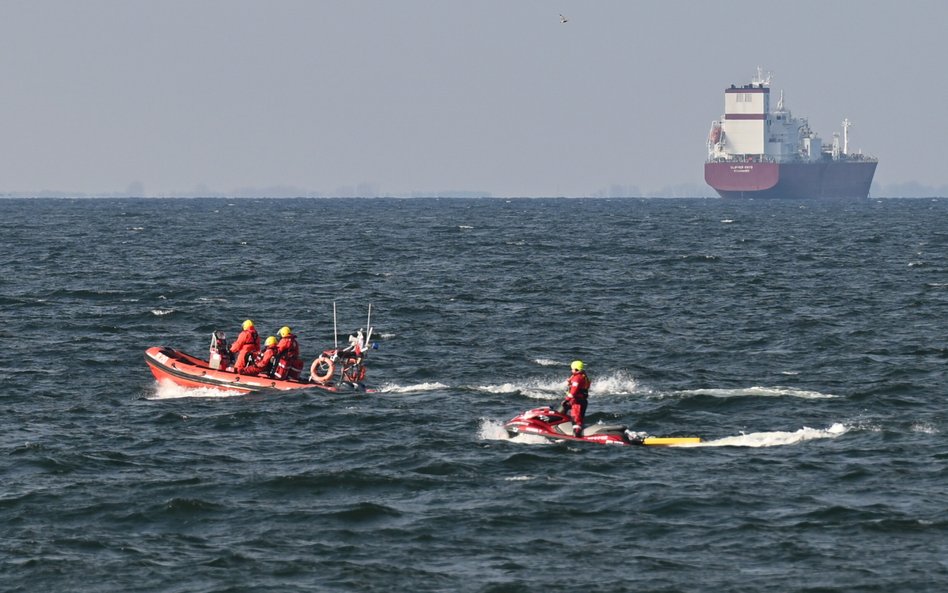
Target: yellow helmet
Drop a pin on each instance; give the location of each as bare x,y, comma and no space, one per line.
577,365
285,331
271,341
248,324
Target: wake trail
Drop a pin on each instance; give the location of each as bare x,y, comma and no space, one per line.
775,438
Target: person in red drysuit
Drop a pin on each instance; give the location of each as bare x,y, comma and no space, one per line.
288,349
577,396
246,345
264,365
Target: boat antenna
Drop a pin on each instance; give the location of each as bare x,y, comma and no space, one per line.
763,78
368,326
335,333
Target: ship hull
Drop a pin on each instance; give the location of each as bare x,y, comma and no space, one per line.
821,180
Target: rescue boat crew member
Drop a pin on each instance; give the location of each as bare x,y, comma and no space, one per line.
264,365
246,344
288,349
577,396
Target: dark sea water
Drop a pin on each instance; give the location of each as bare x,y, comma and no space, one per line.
803,341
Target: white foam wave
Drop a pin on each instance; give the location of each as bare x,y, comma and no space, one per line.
393,388
169,390
493,430
160,312
534,389
776,438
760,392
546,362
501,388
619,383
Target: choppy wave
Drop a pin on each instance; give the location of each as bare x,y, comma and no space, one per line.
416,388
796,315
546,362
759,392
616,384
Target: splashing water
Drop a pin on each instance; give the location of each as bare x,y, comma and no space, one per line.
394,388
777,438
546,362
168,390
618,383
493,430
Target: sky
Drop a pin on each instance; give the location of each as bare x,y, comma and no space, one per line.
447,97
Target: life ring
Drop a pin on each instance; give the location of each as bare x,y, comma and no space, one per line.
314,369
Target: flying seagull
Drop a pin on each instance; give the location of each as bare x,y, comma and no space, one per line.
563,19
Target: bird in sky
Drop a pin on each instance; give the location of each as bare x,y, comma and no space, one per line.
563,19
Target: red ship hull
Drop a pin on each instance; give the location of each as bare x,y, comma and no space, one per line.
827,179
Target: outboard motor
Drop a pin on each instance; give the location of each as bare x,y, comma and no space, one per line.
219,350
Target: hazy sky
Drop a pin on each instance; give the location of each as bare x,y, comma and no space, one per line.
386,97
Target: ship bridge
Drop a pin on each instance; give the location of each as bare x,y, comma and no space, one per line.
751,130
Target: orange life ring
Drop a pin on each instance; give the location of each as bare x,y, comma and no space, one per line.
313,369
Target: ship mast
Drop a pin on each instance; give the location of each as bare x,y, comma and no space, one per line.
762,79
846,125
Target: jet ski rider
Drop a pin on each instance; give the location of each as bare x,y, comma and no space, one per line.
577,396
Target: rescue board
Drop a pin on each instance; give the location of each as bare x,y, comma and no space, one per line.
669,441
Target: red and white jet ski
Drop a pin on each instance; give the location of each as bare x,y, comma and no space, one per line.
549,423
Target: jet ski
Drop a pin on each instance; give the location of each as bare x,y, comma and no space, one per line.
556,426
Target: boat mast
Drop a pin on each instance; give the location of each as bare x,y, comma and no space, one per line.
846,125
763,78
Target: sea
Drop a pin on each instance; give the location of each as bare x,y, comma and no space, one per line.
802,341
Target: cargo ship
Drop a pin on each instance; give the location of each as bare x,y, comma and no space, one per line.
756,152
